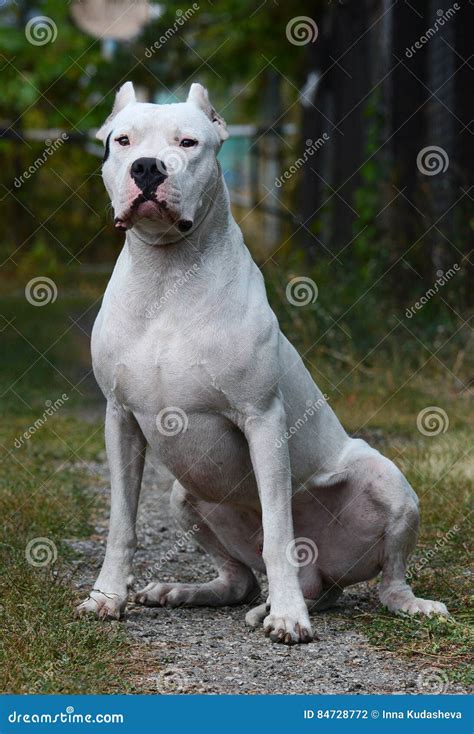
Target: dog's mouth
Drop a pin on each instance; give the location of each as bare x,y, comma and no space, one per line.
146,206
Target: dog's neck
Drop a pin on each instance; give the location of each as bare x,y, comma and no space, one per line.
174,250
211,251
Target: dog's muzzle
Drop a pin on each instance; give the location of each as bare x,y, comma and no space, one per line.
148,174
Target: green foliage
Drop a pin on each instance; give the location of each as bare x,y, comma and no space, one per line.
370,243
70,84
44,494
365,322
382,406
41,258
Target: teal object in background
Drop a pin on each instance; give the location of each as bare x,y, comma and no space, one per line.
234,157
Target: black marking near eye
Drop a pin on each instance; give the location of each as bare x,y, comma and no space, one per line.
107,148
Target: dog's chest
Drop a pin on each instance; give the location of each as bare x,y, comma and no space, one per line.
147,368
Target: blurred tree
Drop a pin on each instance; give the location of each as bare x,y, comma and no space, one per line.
358,195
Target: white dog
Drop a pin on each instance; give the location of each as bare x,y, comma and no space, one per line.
194,366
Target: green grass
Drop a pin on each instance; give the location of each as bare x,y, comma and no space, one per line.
380,371
45,494
441,470
43,648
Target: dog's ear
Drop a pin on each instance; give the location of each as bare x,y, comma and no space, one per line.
124,97
198,96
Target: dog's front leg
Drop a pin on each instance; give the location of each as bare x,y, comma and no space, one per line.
288,621
126,447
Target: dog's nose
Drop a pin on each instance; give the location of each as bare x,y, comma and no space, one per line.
148,173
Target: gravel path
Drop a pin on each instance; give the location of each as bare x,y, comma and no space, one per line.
205,650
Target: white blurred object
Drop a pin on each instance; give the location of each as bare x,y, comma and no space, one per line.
310,88
114,19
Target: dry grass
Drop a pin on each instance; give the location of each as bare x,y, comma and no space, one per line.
441,470
44,649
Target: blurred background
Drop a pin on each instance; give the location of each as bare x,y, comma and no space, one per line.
350,167
351,150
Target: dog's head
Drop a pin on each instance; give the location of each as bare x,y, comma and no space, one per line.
160,160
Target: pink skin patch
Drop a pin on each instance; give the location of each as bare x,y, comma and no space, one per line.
148,209
139,207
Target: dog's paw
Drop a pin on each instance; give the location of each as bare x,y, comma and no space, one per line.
103,604
162,595
423,606
255,616
288,629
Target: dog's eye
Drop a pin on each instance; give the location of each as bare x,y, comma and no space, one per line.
123,140
188,143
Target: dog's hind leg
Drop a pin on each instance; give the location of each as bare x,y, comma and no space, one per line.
399,542
235,583
325,600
